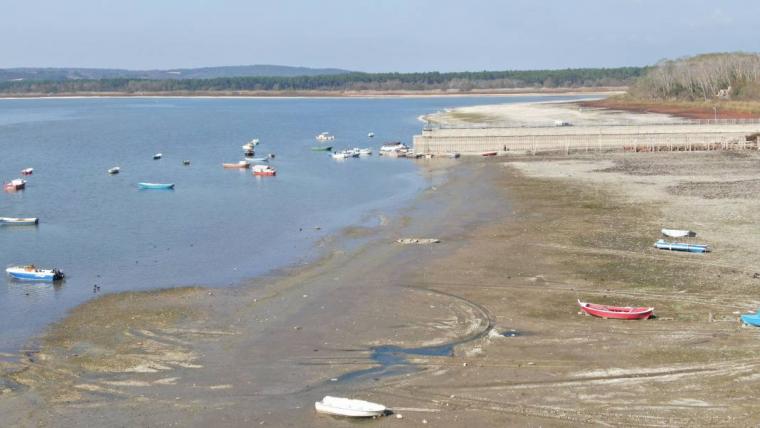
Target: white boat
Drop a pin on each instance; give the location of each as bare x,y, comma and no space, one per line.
393,147
365,152
349,407
371,134
340,155
248,147
33,273
677,233
114,170
15,184
27,171
325,136
158,156
18,221
452,155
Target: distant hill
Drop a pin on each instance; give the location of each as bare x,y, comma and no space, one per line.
62,74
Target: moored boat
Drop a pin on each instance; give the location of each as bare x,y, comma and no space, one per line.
321,148
365,152
243,164
392,147
186,162
340,155
264,170
489,153
249,147
371,135
678,233
19,221
325,136
616,312
681,246
155,186
158,156
114,170
15,184
27,171
339,406
259,159
33,273
452,155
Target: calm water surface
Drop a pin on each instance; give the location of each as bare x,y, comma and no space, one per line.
219,226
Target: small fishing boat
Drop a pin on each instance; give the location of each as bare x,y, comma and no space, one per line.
155,186
489,153
681,246
325,136
678,233
33,273
616,312
186,162
114,170
392,147
19,221
243,164
264,170
259,159
340,155
371,135
158,156
248,147
751,319
15,184
321,148
349,407
27,171
365,152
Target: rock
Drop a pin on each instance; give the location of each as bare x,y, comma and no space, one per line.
424,421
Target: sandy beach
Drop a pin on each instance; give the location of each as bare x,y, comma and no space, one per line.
481,329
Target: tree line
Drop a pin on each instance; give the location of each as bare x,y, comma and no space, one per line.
702,78
355,81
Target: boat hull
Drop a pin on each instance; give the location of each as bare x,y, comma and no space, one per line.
34,275
681,246
265,173
156,186
321,149
616,312
236,165
350,408
12,221
489,154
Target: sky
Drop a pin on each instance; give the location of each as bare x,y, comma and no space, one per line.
370,35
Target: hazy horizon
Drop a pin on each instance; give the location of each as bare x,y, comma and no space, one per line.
387,36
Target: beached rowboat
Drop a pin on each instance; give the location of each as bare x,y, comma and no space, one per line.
681,246
32,273
616,312
18,221
155,186
678,233
348,407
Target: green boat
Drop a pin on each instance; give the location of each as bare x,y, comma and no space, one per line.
321,148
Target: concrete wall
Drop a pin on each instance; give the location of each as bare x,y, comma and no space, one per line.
574,138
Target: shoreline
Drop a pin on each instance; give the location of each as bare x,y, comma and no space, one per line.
330,94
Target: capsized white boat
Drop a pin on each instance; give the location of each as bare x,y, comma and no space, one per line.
349,407
678,233
19,221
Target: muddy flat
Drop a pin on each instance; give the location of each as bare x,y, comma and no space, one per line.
481,329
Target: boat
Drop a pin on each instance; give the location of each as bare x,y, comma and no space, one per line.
270,156
27,171
155,186
681,246
186,162
678,233
243,164
321,148
392,147
251,144
489,153
751,319
339,406
259,159
19,221
249,153
158,156
248,147
33,273
114,170
355,152
616,312
325,136
340,155
365,152
452,155
371,135
264,170
15,184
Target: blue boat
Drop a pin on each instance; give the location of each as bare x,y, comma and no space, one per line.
751,319
33,273
680,246
156,186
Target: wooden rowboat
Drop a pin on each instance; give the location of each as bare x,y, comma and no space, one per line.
489,154
348,407
616,312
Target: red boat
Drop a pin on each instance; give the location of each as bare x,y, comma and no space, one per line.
489,154
264,170
616,312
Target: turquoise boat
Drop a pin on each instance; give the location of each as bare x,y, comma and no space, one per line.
155,186
751,319
680,246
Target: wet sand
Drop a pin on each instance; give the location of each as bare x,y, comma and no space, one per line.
488,316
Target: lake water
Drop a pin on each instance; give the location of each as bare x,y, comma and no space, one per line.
218,226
